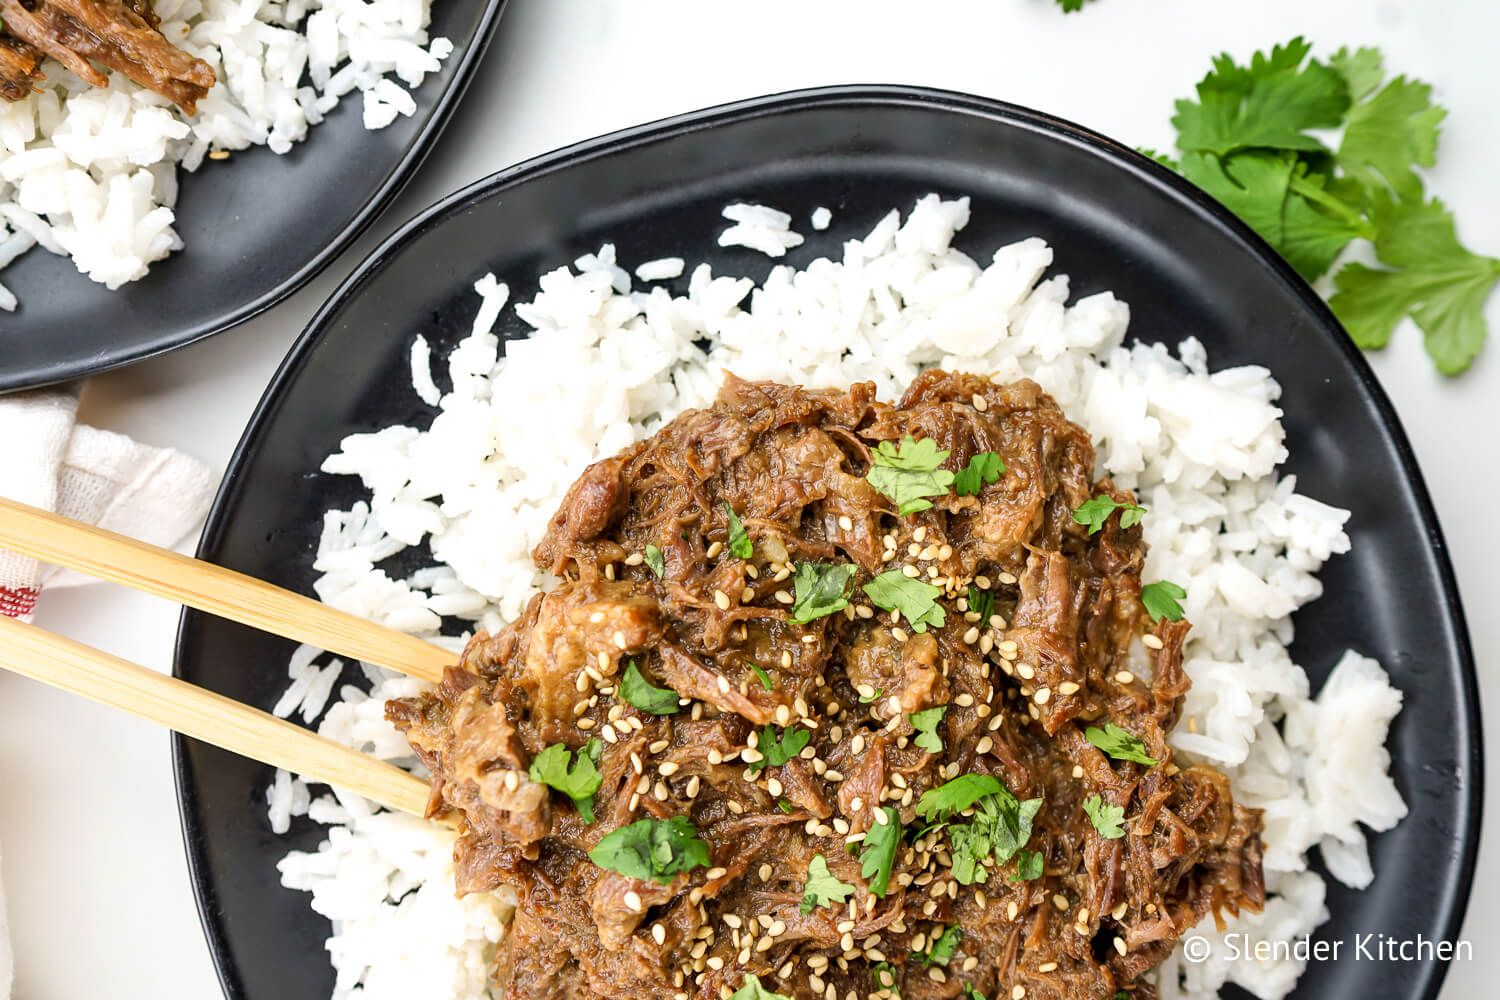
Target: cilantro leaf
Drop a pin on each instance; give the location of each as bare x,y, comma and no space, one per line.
925,723
984,467
1271,104
970,993
1389,134
822,888
655,849
1072,6
1362,70
1098,510
1121,744
821,589
776,752
878,856
577,779
981,602
1000,828
761,675
655,561
937,804
751,989
739,540
1108,820
908,473
1029,866
917,601
1428,274
1160,599
942,948
641,693
1270,192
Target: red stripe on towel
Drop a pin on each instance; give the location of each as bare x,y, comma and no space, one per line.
17,602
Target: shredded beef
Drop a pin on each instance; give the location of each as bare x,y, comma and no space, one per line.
1069,645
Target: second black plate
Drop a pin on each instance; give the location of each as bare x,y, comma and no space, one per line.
257,227
1115,220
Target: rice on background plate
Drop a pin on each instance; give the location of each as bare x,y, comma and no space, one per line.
606,365
91,173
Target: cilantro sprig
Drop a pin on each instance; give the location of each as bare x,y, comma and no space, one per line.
1121,744
999,829
739,545
1108,820
1094,513
908,473
654,849
925,723
1161,600
823,888
820,589
776,751
878,856
917,601
1249,139
644,695
577,779
985,467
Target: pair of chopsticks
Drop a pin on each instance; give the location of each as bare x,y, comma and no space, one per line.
183,707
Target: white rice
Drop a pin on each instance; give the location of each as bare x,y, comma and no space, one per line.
91,174
606,366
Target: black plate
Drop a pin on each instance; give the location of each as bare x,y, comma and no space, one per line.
257,227
1116,221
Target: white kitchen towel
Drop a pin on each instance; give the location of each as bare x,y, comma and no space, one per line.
49,461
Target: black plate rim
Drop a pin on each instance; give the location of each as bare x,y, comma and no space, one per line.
467,62
1001,112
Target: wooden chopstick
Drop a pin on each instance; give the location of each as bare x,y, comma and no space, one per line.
214,589
204,715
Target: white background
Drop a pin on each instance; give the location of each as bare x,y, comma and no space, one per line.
100,903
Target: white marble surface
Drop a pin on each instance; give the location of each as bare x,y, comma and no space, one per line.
100,903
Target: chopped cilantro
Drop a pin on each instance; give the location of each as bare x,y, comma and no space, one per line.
577,779
1069,7
761,675
641,693
784,805
1028,866
878,855
885,976
1107,819
775,752
751,989
1121,744
970,993
739,541
908,473
942,948
655,849
1160,599
1098,510
822,888
925,723
655,561
917,601
821,589
981,602
937,804
984,467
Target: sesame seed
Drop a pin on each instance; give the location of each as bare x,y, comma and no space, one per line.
981,404
721,599
1150,641
668,769
1120,946
1077,770
1025,671
1018,993
782,597
964,700
764,873
1043,695
714,550
659,793
971,636
783,715
985,745
1047,967
898,634
723,684
586,724
658,934
1067,688
774,786
786,658
1124,677
986,643
910,571
1060,901
1119,912
845,523
608,732
633,901
945,552
1011,910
